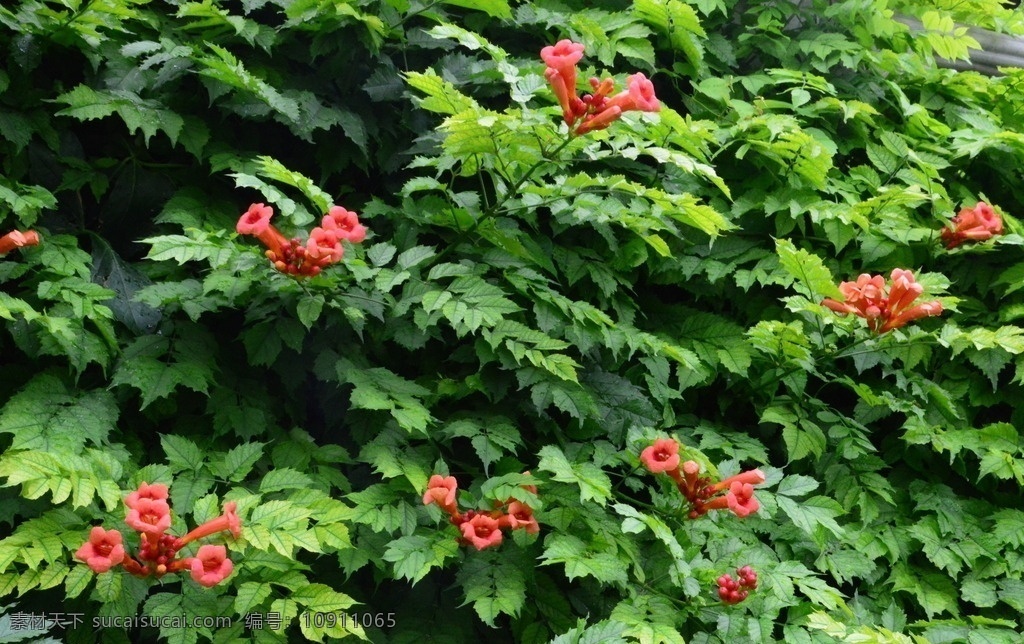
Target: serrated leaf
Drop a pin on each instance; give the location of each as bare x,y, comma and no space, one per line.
284,478
182,454
442,96
812,513
238,462
581,561
250,595
111,271
493,588
796,485
308,310
379,388
414,556
150,116
934,591
493,8
594,484
813,279
47,415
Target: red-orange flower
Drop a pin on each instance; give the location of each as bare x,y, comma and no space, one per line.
750,477
227,521
211,565
975,224
662,456
150,516
154,492
740,499
102,551
256,222
884,309
599,109
323,247
561,59
18,239
441,490
521,516
638,96
295,256
345,224
529,488
482,531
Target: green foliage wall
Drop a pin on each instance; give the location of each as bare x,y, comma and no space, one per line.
525,301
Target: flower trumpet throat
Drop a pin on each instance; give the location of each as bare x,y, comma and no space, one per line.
885,307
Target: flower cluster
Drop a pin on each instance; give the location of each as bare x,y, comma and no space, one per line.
977,224
480,529
18,239
599,109
292,256
733,591
150,515
885,308
703,495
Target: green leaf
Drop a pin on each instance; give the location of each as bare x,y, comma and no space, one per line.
415,555
934,591
796,485
814,513
493,588
322,599
820,592
111,271
26,202
679,21
442,97
814,280
594,484
182,454
603,632
285,478
238,462
271,168
308,309
181,248
379,388
150,116
581,561
225,68
47,415
144,366
493,8
251,595
679,569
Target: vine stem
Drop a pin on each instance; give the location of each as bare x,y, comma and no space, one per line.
491,210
